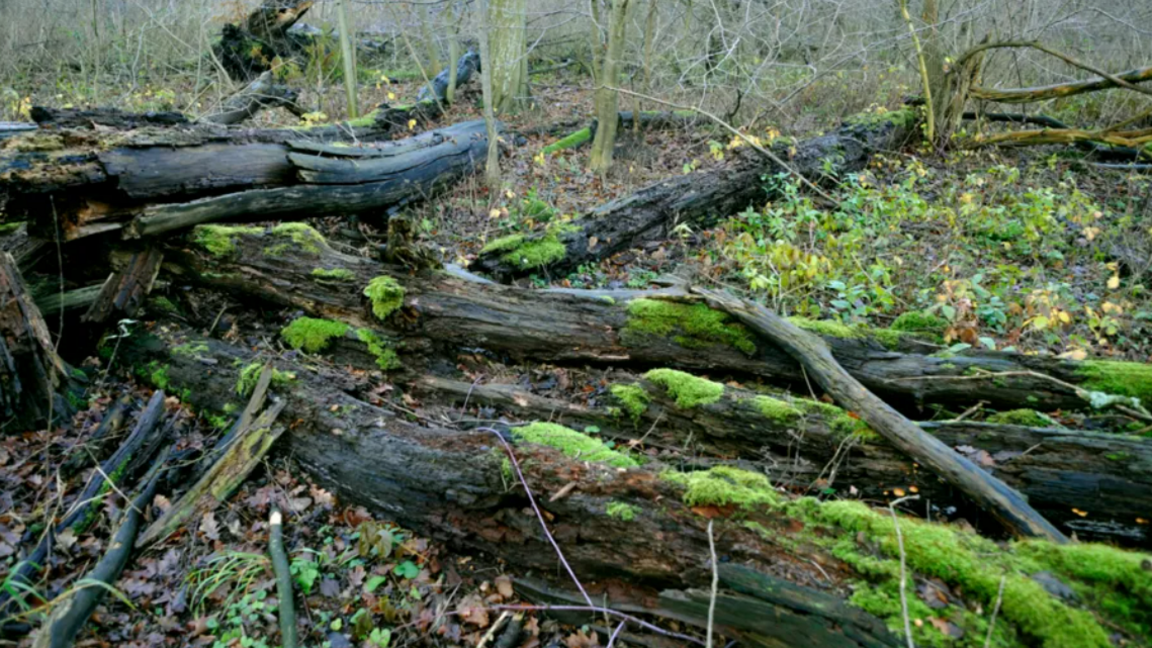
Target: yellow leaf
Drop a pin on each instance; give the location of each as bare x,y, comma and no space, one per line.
1074,354
391,96
495,213
1114,282
411,124
1064,317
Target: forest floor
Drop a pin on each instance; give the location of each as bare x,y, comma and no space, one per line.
1002,250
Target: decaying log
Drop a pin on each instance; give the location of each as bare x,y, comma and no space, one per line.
999,499
262,93
468,65
124,292
450,485
204,173
8,129
229,469
34,380
107,118
1056,91
697,199
625,328
807,448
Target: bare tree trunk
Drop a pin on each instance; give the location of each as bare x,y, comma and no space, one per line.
507,29
348,56
607,98
492,166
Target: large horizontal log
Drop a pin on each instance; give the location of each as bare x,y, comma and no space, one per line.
1057,91
638,534
626,328
96,183
810,447
697,199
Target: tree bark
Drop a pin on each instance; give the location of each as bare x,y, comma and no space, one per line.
806,450
607,98
157,180
607,328
466,66
700,199
508,46
1056,91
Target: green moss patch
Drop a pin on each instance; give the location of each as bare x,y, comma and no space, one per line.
312,335
1131,379
571,141
385,355
386,295
919,322
776,410
1030,418
503,244
724,486
250,375
690,326
837,419
622,511
688,390
333,274
299,236
632,398
573,444
220,240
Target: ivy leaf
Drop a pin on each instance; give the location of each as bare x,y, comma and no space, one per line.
406,569
374,582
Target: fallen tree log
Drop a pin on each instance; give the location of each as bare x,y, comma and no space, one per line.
1057,91
466,66
431,310
175,178
811,447
697,199
639,532
262,93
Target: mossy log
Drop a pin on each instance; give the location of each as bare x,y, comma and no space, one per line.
636,534
1094,485
89,183
624,327
702,198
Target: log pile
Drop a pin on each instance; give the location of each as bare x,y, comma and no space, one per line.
709,445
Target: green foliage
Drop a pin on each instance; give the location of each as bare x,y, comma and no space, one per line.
305,572
386,295
688,390
622,511
632,398
155,373
906,117
690,326
250,375
385,355
220,240
333,274
724,486
573,444
312,335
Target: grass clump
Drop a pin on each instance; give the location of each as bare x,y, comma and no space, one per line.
250,375
622,511
724,486
776,410
220,240
688,390
311,334
385,355
690,326
386,295
573,444
632,398
333,274
1030,418
1131,379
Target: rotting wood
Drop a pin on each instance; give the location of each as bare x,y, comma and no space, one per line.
124,292
623,327
809,447
814,355
262,93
